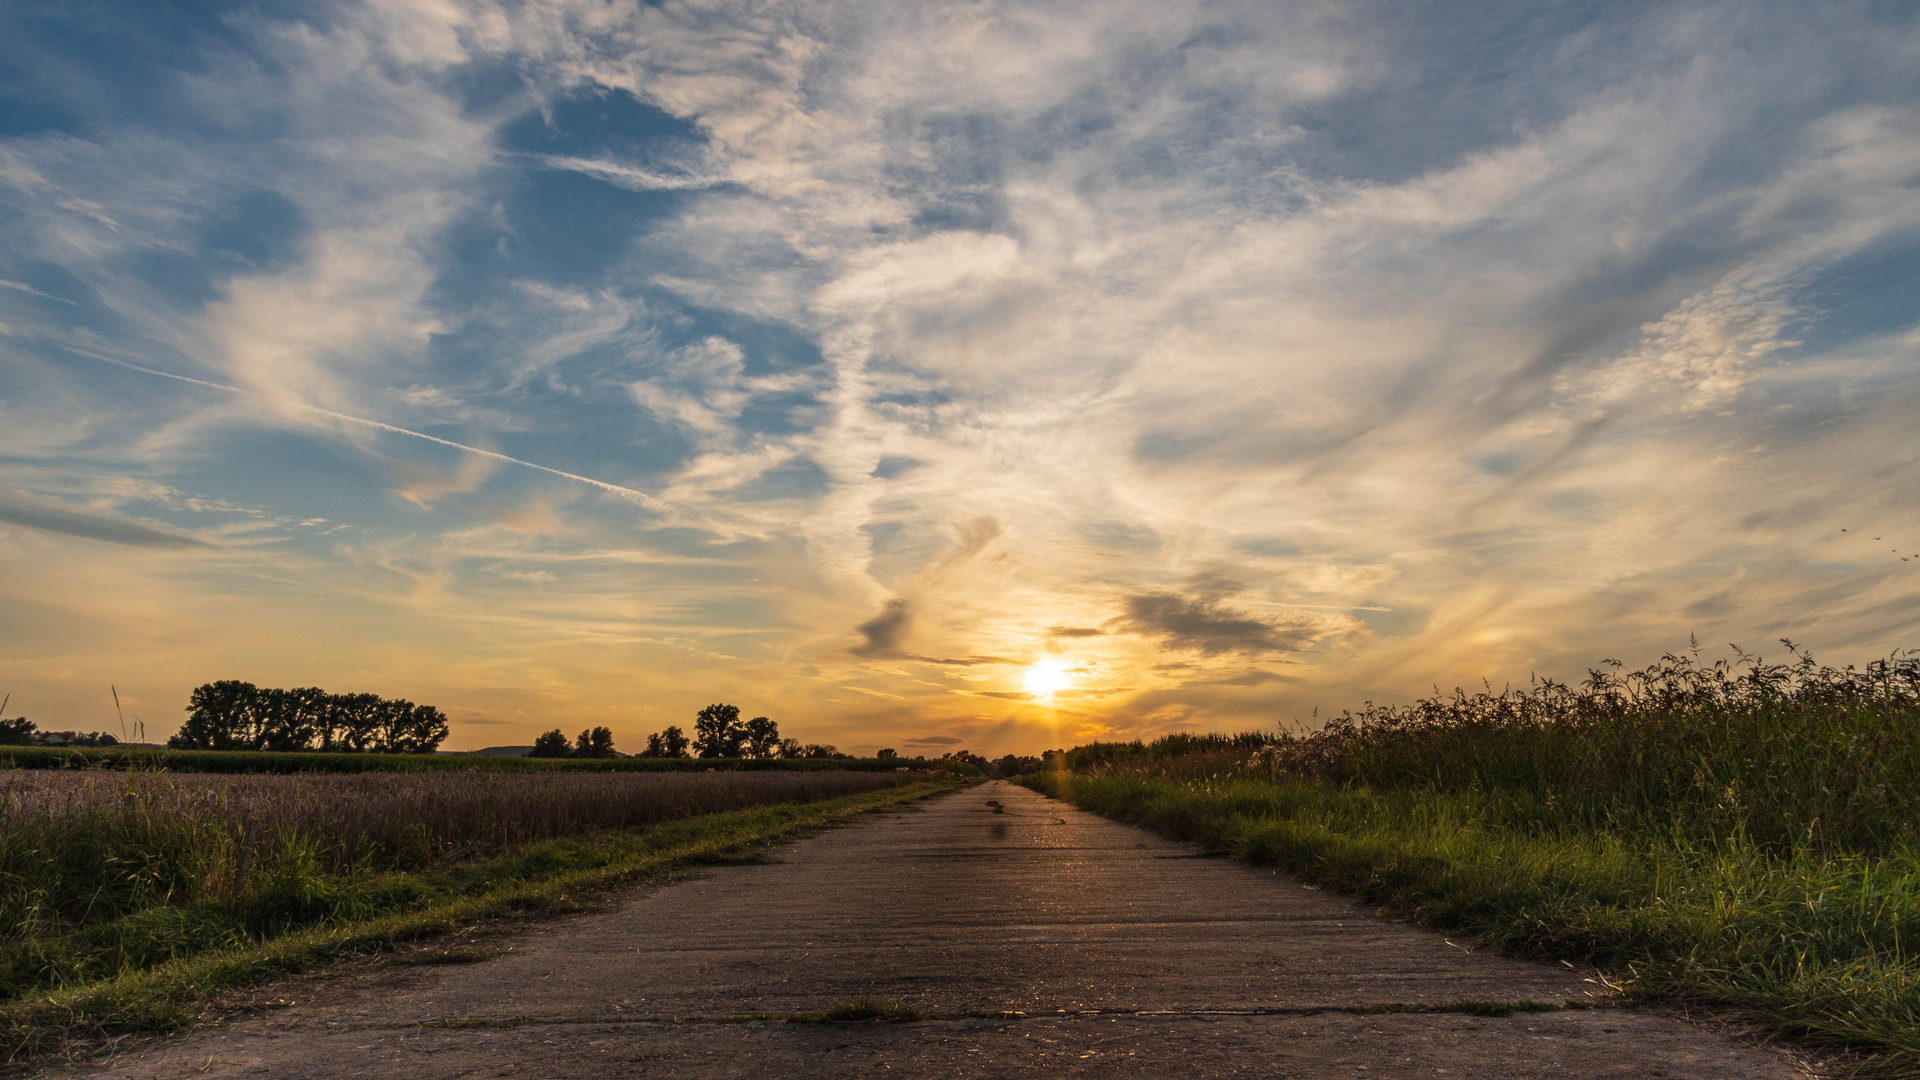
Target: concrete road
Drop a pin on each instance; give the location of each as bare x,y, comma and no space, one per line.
1122,953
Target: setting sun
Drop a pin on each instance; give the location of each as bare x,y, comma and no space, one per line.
1047,678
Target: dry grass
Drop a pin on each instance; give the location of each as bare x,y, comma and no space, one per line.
106,872
396,819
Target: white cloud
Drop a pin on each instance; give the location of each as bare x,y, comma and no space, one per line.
1705,350
1136,282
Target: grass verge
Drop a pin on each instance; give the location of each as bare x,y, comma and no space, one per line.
1732,832
1815,945
555,875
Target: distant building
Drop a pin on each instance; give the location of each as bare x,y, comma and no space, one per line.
72,738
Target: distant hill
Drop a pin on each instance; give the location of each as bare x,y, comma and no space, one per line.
501,751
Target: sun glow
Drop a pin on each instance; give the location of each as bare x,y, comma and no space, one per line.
1047,678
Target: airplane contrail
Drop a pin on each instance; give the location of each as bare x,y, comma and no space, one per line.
624,492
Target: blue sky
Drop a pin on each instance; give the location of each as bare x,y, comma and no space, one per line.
883,367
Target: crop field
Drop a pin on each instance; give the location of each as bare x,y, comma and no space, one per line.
125,897
1737,836
268,761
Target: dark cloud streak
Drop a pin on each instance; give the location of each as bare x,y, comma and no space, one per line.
112,530
886,632
1200,622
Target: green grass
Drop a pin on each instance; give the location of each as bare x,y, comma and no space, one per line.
212,948
266,761
1735,836
1817,946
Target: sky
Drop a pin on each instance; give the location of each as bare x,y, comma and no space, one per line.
942,375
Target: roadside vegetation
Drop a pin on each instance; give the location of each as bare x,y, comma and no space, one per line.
1738,835
127,898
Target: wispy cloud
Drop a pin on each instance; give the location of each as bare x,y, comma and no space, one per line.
31,291
1169,342
631,177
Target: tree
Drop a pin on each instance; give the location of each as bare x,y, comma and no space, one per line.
349,722
289,719
968,757
594,743
790,748
717,732
763,737
220,716
16,732
552,744
673,742
416,729
887,754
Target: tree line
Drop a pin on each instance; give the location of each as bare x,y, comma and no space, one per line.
21,731
234,715
718,732
594,742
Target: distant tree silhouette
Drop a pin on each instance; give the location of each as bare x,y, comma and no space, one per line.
674,742
594,743
347,723
235,715
887,753
406,728
763,738
551,744
220,716
289,719
789,748
970,758
717,732
16,732
671,743
1016,765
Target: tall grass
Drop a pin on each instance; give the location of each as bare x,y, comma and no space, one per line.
1788,755
1736,833
102,873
